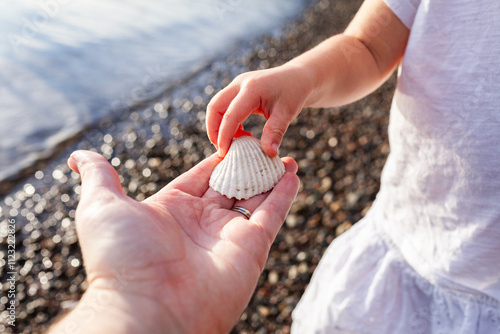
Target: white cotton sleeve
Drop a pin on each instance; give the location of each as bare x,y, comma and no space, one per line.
405,10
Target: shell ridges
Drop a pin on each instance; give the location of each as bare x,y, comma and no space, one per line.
246,170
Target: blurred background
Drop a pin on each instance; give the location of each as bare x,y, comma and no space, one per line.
131,80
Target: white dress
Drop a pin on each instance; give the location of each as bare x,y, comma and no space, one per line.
426,258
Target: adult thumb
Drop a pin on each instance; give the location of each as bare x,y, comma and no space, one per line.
99,178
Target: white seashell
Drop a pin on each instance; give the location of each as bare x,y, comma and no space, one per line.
246,170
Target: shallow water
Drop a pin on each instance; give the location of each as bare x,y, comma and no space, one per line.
66,64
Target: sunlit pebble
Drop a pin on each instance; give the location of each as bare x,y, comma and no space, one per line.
174,131
310,134
26,268
152,186
17,203
24,212
56,238
131,137
132,186
174,122
326,156
70,238
292,272
107,138
154,162
188,143
13,212
262,54
129,164
35,234
157,137
32,290
156,128
39,175
198,100
47,263
158,107
28,228
273,277
106,149
209,90
264,64
150,143
187,106
310,155
134,116
163,114
57,174
58,215
29,189
64,198
148,113
75,263
65,223
332,142
8,200
301,256
177,103
146,172
115,162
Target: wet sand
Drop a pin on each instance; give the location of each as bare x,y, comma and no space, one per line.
340,152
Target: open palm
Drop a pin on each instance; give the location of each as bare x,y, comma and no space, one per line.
183,251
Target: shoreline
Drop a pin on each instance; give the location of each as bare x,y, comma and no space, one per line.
340,153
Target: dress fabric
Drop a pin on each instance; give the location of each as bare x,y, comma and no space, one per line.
426,258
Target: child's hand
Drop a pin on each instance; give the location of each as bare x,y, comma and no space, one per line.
279,94
342,69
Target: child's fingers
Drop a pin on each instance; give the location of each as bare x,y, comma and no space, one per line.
239,109
216,110
275,128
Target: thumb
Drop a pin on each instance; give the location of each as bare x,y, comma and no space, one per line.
99,178
274,130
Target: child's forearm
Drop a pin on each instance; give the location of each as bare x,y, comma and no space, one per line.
348,66
341,69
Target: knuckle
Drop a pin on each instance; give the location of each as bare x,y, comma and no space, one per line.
276,131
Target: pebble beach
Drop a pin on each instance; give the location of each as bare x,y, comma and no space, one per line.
340,153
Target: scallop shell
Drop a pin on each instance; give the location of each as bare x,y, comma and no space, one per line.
246,170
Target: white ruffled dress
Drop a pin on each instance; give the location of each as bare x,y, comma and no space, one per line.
426,258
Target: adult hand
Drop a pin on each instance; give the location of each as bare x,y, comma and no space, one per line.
181,261
279,94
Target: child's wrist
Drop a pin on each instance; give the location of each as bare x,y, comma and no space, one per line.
305,76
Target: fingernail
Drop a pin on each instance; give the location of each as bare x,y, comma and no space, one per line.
77,156
275,148
74,160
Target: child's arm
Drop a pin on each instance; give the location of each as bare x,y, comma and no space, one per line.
340,70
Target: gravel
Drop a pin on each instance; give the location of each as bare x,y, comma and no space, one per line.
340,153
